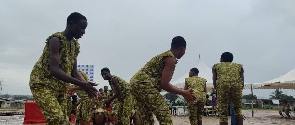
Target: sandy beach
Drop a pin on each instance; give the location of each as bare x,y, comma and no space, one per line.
261,117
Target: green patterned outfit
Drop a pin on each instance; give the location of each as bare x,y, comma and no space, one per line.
115,107
229,88
48,91
125,103
146,90
105,96
69,103
197,84
84,111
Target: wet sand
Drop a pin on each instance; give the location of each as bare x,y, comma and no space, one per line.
261,117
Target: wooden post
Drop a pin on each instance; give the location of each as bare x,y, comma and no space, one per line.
252,100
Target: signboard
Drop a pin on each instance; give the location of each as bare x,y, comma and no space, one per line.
275,101
88,70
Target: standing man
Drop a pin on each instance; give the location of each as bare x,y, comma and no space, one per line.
228,80
57,68
198,85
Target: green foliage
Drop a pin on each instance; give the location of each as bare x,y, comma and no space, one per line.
18,97
278,94
181,103
171,96
6,96
249,96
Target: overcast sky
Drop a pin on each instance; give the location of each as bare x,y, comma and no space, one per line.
124,35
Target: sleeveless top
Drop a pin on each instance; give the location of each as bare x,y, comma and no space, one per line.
81,93
152,71
125,87
197,84
106,95
228,72
41,72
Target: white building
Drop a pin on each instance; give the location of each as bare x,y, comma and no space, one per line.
4,102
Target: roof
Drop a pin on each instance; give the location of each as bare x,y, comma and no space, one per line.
205,72
286,81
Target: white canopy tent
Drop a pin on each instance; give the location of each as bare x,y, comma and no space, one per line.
286,81
204,70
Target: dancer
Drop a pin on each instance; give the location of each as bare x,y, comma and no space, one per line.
122,92
198,85
84,109
101,91
106,92
228,79
56,68
148,82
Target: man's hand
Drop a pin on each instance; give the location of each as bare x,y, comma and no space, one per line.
188,95
90,90
71,92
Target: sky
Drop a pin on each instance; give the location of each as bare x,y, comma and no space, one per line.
124,35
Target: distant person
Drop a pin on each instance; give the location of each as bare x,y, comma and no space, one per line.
286,109
56,68
75,103
198,85
228,80
214,102
149,81
101,91
106,92
207,100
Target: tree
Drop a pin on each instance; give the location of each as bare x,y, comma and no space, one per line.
181,103
278,94
171,96
249,96
5,96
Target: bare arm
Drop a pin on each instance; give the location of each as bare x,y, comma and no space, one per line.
242,75
214,77
118,90
167,75
75,88
185,86
54,46
76,74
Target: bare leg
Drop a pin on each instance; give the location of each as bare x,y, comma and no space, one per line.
136,120
200,122
239,120
82,122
